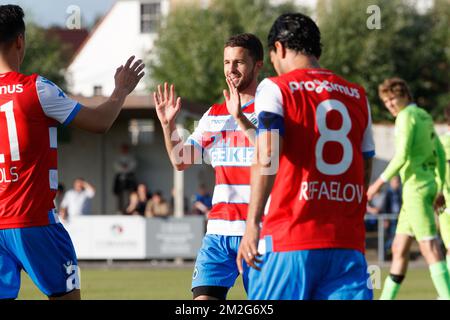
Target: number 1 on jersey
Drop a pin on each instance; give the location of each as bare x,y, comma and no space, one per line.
7,108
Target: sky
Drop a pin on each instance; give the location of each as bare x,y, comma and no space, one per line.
54,12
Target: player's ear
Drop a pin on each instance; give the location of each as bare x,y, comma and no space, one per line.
20,42
280,50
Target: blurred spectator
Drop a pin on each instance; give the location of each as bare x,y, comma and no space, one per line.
393,204
138,201
125,178
202,201
375,207
172,203
157,206
77,201
59,196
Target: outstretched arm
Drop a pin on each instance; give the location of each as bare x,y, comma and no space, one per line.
181,155
99,119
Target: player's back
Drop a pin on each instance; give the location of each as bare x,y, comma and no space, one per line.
28,159
445,139
421,158
318,199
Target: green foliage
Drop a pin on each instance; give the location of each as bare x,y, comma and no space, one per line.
411,45
43,56
189,52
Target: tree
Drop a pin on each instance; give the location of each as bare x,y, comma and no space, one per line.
410,44
44,55
189,49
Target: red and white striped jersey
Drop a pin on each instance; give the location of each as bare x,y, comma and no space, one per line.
318,199
30,109
226,147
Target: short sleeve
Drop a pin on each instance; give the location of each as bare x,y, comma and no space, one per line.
268,98
55,103
197,137
368,144
269,107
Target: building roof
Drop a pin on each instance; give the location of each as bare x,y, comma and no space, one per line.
139,102
71,39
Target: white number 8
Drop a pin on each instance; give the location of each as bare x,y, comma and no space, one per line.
327,135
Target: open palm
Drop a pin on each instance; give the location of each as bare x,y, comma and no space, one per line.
167,105
232,99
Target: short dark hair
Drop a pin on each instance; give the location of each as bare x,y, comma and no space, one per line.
447,114
396,86
248,41
297,32
11,23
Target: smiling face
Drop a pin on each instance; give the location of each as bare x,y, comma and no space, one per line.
394,103
239,66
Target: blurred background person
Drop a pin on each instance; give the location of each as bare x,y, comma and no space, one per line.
138,201
78,200
392,205
374,207
125,177
202,203
157,206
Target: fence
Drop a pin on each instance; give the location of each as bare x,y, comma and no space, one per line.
381,232
125,237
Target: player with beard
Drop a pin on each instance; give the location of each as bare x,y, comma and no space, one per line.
224,136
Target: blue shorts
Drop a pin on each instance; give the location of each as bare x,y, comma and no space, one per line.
325,274
216,262
45,253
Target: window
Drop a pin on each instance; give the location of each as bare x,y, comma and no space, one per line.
141,131
98,90
150,16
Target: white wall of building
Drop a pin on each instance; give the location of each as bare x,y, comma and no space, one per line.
114,40
385,147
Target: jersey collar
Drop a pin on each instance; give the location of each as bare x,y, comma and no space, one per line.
247,104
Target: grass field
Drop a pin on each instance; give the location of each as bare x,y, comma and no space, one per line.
174,284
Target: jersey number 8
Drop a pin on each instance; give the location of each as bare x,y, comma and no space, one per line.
327,135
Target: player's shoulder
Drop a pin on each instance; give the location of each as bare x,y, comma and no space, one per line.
339,78
270,84
44,82
218,109
17,77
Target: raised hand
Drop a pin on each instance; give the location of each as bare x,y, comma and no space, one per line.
167,105
232,99
128,76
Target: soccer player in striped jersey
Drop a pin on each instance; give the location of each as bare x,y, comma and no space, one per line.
420,160
224,137
313,234
31,107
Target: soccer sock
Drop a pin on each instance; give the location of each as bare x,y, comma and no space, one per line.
441,279
391,287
